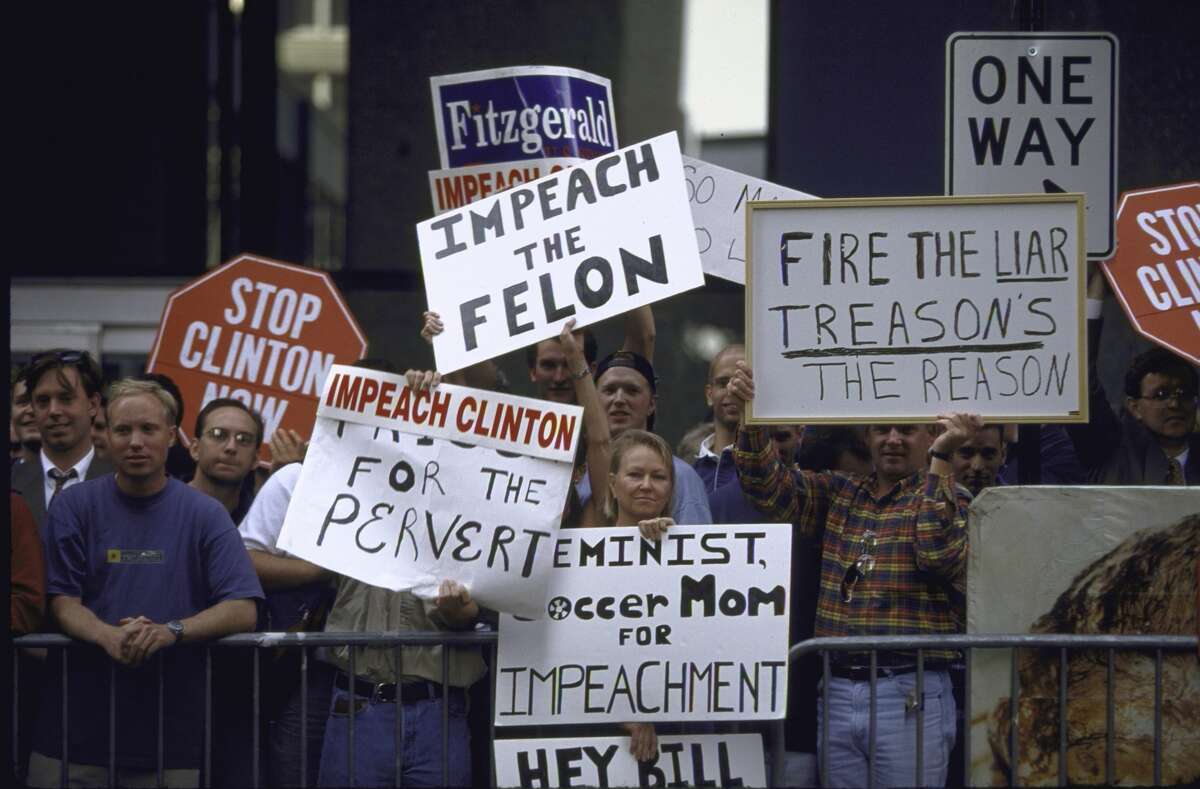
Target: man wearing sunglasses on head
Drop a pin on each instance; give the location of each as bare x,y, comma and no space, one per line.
228,437
1154,441
893,562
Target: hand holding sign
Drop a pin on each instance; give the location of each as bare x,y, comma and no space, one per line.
655,528
643,741
455,605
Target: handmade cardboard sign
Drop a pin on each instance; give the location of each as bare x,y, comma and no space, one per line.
692,627
689,760
718,199
588,242
900,309
423,487
522,112
259,331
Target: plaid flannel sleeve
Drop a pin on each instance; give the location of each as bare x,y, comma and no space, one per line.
782,494
942,528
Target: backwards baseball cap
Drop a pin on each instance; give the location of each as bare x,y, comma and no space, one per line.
634,361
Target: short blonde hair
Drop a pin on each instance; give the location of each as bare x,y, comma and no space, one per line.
621,446
129,387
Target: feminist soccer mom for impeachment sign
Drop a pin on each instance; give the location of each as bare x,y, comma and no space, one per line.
900,309
403,489
260,331
588,243
693,627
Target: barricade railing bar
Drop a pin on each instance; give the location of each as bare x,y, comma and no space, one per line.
826,647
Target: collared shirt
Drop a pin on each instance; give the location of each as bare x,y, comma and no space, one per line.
715,469
81,470
362,608
917,584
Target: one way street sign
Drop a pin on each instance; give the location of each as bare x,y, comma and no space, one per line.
1035,112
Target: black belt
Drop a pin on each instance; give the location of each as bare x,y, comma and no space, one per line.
886,664
385,692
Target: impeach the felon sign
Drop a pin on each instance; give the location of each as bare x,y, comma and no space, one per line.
260,331
588,243
687,760
691,627
899,309
403,489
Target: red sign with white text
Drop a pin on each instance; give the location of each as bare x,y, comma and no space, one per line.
1156,271
259,331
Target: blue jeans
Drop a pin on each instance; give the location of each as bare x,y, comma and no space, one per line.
896,730
375,737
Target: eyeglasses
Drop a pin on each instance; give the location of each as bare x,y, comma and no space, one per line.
220,435
864,564
1163,395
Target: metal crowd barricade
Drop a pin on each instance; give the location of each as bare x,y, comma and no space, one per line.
775,737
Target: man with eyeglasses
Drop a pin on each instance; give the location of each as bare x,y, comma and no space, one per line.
893,562
1155,441
64,390
228,437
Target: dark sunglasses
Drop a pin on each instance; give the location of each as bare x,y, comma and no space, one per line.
66,357
861,567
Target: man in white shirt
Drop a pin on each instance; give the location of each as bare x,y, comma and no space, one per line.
64,389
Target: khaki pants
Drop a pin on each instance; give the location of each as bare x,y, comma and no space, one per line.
45,772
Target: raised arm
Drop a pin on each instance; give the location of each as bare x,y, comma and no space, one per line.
595,423
941,544
799,497
1096,440
639,332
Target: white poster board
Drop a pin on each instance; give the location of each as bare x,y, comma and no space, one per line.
694,627
408,505
588,243
689,760
899,309
718,198
1088,560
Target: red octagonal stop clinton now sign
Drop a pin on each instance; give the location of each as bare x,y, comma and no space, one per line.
1156,271
260,331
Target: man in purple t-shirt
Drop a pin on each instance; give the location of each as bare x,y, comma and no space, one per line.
137,563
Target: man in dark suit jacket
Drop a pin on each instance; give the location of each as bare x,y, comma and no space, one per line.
64,388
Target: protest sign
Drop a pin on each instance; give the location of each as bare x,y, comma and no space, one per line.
899,309
692,627
1122,560
588,243
1156,271
718,200
259,331
390,498
463,185
523,112
689,760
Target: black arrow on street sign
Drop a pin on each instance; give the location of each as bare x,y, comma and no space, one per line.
1051,188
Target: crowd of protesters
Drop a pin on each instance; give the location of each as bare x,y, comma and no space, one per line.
124,539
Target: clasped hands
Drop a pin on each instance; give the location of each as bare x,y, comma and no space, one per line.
135,639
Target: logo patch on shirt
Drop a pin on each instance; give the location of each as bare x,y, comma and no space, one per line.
127,556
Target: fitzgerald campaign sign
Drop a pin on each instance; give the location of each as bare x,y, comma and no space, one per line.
718,199
588,243
260,331
402,489
898,309
523,112
691,627
689,760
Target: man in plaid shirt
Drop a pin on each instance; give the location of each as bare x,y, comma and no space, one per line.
893,561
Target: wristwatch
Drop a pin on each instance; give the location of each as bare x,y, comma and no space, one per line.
581,374
176,628
933,453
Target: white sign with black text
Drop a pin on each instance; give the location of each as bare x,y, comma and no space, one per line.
589,242
900,309
1035,113
688,760
389,500
718,199
692,627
